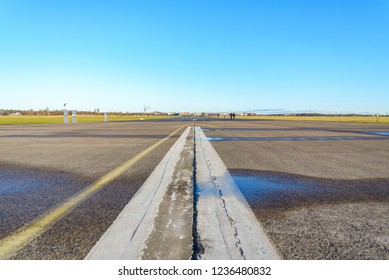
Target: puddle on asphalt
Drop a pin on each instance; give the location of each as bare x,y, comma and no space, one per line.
288,138
18,185
79,135
381,133
17,181
266,190
269,191
26,193
249,129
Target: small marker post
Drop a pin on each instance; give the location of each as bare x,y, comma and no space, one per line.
65,116
105,116
74,116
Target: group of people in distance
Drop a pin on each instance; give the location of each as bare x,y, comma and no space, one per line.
232,116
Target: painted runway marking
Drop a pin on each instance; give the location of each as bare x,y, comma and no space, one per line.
14,242
127,235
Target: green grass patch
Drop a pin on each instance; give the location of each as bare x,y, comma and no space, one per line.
13,120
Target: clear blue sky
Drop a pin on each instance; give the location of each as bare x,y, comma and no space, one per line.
201,55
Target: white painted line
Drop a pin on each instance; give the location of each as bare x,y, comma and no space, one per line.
227,227
125,238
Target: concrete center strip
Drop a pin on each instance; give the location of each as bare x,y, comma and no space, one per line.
14,242
227,227
126,237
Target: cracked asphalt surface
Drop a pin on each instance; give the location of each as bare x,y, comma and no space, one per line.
342,214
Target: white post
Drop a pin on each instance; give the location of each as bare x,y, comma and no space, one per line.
105,116
74,117
65,116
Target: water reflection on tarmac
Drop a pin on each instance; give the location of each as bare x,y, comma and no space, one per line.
274,190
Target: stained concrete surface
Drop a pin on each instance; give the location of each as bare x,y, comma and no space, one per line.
171,236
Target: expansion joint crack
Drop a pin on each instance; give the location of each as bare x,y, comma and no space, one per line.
238,243
197,249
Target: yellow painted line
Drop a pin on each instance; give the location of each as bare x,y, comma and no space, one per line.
14,242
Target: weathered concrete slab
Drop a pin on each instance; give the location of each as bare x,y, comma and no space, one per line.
127,235
226,226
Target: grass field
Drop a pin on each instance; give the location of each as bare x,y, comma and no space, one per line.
351,119
10,120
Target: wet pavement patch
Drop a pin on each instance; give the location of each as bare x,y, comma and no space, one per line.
15,185
80,135
250,129
270,191
26,193
24,180
381,133
312,218
332,138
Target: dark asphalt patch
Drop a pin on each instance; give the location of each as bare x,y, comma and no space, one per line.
274,191
316,129
76,135
311,218
74,235
351,138
26,193
250,129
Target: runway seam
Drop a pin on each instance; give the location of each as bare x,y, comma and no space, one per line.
198,249
223,207
238,243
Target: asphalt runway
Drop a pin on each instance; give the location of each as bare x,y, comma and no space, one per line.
337,178
56,162
304,148
321,190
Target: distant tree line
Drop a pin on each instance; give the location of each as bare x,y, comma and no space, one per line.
47,112
97,112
